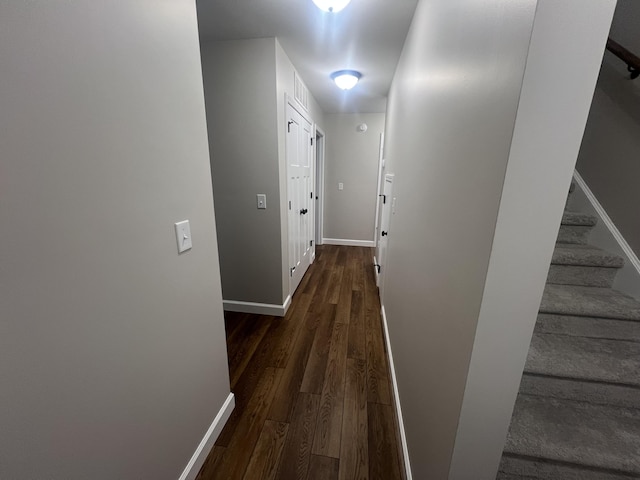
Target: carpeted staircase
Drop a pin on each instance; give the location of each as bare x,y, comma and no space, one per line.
577,416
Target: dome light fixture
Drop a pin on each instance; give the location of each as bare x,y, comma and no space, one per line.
331,6
346,79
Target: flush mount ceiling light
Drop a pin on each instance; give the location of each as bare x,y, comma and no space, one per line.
346,79
332,6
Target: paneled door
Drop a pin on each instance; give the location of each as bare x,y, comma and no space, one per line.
299,152
385,221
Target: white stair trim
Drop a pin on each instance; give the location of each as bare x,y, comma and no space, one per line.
206,444
630,257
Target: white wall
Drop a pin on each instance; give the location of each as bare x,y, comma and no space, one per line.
562,67
351,159
465,270
112,346
240,89
608,159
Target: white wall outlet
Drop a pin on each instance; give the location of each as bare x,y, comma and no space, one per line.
262,201
183,236
341,186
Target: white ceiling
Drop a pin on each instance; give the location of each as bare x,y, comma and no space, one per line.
367,36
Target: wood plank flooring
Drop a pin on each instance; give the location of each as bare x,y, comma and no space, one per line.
313,396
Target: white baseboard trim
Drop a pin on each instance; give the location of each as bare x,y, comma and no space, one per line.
206,444
258,308
396,397
375,270
606,220
348,243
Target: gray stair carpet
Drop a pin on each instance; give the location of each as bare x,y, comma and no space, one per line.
599,393
595,359
575,264
577,416
582,433
589,302
591,327
575,227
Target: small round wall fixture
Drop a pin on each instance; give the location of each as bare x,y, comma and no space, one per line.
346,79
362,128
331,6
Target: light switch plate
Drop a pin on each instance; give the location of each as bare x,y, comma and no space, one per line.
183,236
261,198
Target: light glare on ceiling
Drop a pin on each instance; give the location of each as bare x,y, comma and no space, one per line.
332,6
346,79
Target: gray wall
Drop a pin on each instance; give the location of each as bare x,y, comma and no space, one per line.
112,346
610,151
245,83
562,67
452,108
351,158
240,90
450,125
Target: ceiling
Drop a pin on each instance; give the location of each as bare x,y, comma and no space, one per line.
367,36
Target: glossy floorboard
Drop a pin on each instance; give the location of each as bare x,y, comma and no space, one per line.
313,397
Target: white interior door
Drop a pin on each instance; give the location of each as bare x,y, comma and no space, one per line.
299,172
385,220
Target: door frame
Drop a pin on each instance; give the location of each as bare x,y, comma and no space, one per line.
320,144
379,191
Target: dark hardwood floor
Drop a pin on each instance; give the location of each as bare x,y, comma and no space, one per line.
312,390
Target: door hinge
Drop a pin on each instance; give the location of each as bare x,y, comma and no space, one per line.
312,141
311,196
377,266
291,270
384,198
311,243
289,204
289,127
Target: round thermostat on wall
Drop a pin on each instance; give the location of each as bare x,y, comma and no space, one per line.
362,128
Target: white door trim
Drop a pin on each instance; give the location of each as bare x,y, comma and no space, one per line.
379,189
319,185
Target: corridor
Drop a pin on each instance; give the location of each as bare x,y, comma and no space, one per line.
313,394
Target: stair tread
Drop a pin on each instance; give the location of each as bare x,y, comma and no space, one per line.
585,255
578,219
576,432
523,468
589,302
592,327
580,391
594,359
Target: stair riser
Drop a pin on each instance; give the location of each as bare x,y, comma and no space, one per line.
584,276
514,468
592,392
574,234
